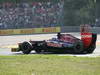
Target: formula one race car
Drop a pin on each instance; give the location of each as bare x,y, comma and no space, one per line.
64,43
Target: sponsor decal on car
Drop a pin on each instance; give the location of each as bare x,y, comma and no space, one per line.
54,44
67,45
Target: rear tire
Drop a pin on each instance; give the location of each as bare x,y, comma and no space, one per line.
26,47
78,47
91,49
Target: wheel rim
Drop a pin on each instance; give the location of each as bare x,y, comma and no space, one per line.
26,48
78,46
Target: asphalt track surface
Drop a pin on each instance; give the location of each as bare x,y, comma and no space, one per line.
8,42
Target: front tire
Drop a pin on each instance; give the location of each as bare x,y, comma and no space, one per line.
26,47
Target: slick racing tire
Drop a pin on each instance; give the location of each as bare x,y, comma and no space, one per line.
91,48
78,47
26,47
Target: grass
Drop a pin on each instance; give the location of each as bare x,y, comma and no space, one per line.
48,65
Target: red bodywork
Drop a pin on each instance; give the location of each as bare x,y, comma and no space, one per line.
68,38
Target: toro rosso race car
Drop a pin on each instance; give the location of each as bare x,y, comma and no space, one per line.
64,43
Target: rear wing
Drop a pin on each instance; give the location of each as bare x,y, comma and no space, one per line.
87,36
85,28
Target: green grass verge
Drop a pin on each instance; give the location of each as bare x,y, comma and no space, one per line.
48,65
